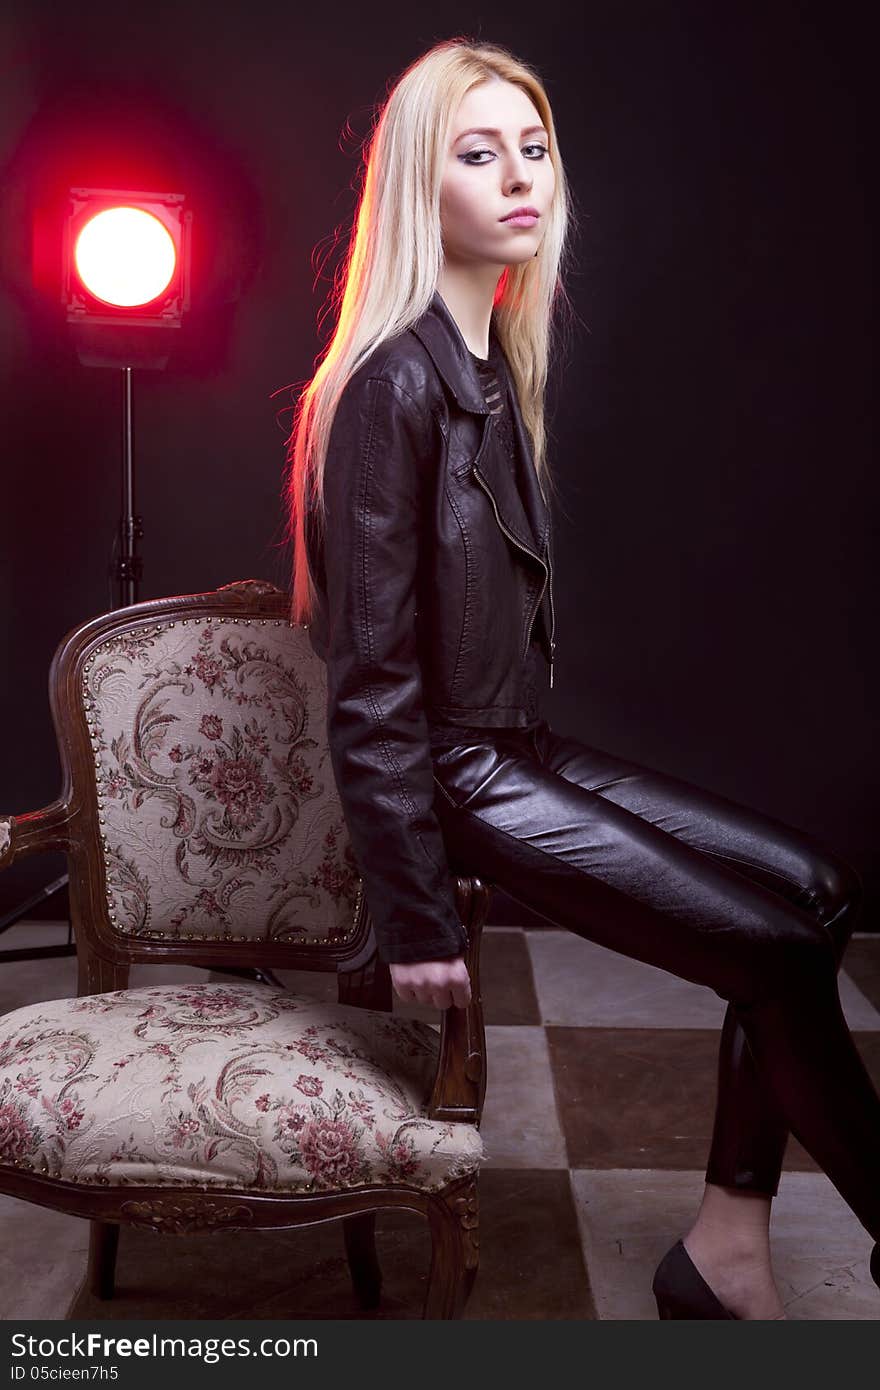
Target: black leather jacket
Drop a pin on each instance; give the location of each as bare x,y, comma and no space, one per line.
434,573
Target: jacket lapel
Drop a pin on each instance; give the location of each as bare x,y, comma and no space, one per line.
519,503
440,334
528,486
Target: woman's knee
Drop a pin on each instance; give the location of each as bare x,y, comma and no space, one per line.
837,892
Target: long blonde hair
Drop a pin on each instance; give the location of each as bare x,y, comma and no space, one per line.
397,229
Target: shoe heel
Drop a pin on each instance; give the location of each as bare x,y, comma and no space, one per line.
680,1290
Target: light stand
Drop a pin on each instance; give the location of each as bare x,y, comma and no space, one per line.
129,566
127,574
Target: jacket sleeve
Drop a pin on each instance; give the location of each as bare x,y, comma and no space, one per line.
378,459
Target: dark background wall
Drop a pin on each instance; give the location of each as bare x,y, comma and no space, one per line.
710,418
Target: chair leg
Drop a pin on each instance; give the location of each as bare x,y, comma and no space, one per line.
360,1247
454,1218
103,1245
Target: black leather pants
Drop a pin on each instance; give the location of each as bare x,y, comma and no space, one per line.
665,872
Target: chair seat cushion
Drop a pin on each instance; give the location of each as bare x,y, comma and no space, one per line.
230,1085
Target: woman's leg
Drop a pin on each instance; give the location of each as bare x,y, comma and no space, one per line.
750,1133
729,1239
577,856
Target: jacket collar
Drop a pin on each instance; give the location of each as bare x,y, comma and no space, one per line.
518,498
441,335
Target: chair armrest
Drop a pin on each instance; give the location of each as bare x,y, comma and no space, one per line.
460,1083
46,829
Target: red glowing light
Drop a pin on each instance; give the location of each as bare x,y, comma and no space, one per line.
125,262
125,256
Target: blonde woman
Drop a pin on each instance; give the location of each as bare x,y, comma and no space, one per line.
423,567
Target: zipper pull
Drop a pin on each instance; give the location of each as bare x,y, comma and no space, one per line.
552,650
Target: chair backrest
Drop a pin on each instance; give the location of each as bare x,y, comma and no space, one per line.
204,821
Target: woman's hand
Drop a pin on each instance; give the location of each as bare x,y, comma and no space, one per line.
436,982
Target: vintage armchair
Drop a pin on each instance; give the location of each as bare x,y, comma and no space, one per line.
202,825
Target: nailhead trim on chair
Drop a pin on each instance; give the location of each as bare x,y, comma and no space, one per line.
101,1180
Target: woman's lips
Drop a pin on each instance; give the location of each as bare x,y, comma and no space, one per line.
524,221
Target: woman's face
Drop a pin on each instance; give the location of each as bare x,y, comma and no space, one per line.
487,176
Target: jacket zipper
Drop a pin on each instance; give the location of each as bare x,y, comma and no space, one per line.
531,622
552,627
546,566
552,624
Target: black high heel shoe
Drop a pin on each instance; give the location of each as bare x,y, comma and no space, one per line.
681,1291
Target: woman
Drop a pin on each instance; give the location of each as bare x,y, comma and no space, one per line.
423,568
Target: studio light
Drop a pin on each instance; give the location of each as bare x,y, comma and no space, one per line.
126,258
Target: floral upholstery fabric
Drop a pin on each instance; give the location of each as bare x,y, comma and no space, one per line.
218,810
229,1085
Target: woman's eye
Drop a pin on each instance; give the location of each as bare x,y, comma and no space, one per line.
467,159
